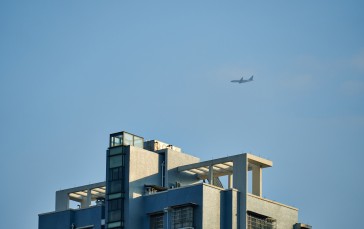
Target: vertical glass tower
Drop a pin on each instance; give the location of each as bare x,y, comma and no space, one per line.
116,182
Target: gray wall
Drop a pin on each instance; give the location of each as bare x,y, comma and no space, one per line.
211,206
286,216
144,168
175,159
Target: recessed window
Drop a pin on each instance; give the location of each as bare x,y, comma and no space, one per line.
257,221
182,217
156,221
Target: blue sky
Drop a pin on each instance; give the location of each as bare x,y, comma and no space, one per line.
72,72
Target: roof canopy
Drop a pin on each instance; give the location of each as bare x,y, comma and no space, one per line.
223,166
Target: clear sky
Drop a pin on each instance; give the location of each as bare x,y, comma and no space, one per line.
72,72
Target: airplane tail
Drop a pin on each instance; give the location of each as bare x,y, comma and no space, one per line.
251,78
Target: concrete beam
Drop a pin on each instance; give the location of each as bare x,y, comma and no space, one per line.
255,160
63,198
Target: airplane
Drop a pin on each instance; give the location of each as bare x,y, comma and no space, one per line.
242,80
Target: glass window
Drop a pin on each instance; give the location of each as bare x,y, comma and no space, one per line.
116,195
128,139
257,221
114,215
114,151
115,161
116,140
182,217
114,225
138,142
156,221
115,204
116,174
115,186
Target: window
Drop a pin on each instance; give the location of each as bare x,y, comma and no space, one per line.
182,217
116,195
116,150
125,139
128,139
156,221
138,142
115,225
116,174
114,215
115,204
115,186
116,140
257,221
115,161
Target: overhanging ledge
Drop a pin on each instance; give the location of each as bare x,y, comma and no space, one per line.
224,165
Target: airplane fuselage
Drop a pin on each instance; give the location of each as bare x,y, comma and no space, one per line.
242,80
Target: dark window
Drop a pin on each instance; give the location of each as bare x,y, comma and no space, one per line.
115,186
115,204
182,217
156,221
114,215
116,174
116,161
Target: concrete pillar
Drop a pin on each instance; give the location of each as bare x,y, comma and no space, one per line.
211,174
257,180
240,182
89,195
86,201
230,181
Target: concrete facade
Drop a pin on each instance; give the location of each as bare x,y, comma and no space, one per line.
285,216
156,185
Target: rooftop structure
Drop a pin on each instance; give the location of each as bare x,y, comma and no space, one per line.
155,185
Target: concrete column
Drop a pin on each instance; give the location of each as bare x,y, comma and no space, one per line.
86,201
240,182
211,174
257,180
230,181
89,195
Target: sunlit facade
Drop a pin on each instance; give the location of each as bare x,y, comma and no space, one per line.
155,185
